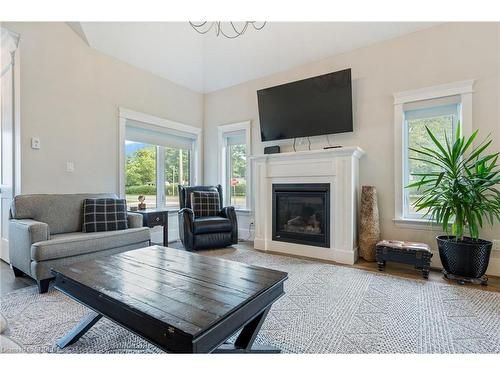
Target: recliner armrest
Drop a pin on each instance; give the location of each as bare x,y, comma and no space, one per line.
22,234
186,219
188,213
134,220
230,213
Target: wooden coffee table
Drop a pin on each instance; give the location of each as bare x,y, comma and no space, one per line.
179,301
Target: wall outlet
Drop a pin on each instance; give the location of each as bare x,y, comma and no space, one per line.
496,245
70,166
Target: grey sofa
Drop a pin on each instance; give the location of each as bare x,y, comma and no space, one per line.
45,230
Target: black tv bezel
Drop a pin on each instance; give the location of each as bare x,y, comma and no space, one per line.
306,135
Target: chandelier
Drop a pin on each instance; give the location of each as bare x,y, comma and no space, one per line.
227,29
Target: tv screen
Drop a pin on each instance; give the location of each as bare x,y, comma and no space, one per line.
313,106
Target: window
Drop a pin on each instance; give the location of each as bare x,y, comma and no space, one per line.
440,108
236,175
140,173
442,120
177,172
234,141
156,160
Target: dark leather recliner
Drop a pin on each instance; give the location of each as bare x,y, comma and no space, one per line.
207,232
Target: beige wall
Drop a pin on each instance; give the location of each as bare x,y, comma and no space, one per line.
70,96
442,54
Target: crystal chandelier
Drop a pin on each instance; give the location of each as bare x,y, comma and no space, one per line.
228,29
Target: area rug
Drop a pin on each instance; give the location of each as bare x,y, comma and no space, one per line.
326,309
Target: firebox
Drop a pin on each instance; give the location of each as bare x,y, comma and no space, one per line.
301,214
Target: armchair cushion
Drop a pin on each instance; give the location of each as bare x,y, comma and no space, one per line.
77,243
205,203
211,224
104,214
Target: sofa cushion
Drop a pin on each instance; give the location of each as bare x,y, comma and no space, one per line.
205,203
104,214
70,244
62,212
214,224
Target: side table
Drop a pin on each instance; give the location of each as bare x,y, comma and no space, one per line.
154,217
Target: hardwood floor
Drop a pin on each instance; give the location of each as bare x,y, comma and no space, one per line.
9,283
435,275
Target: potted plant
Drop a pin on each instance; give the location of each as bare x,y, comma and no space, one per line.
461,191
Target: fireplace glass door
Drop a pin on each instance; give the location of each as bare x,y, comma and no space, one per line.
301,214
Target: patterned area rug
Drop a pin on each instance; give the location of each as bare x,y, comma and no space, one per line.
326,309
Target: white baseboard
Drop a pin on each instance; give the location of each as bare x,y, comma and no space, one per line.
313,252
245,234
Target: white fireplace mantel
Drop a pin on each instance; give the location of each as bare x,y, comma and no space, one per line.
339,168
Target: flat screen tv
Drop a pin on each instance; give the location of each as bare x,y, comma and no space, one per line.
313,106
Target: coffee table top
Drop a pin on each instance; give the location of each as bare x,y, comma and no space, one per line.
190,292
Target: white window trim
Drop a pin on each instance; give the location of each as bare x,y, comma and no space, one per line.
125,114
222,130
462,88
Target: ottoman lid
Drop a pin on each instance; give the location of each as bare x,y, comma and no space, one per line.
405,245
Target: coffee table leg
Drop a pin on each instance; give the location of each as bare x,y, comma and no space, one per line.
165,234
245,341
79,330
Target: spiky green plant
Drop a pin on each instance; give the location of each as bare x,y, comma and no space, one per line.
464,189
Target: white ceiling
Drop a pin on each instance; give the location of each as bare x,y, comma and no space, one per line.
206,63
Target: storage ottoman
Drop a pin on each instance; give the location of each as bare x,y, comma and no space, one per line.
414,253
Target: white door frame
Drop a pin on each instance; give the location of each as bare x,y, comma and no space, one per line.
10,142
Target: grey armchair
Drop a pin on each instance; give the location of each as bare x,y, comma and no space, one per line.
209,231
45,230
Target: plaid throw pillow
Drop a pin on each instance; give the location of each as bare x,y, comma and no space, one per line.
205,203
104,214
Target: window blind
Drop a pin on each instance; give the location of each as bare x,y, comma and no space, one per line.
436,102
440,110
235,137
155,135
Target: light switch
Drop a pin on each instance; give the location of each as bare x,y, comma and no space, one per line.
35,143
70,166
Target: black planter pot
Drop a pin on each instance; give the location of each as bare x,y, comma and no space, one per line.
468,258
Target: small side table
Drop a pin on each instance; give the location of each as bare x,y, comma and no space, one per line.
154,217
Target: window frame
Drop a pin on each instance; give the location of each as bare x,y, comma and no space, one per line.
406,175
464,90
195,165
224,163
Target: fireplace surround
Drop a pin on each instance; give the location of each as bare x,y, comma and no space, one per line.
301,214
337,168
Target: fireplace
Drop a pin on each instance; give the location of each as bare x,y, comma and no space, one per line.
301,214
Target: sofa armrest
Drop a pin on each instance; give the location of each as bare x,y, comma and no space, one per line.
186,219
22,234
230,213
134,220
